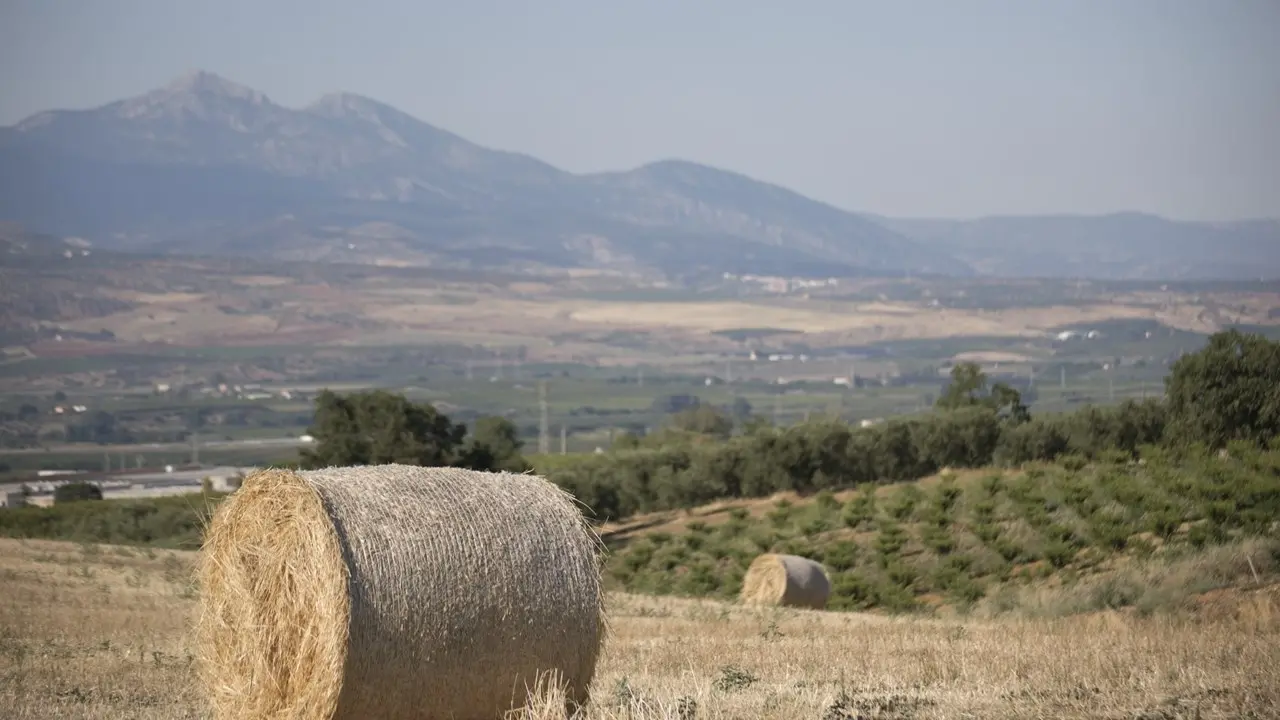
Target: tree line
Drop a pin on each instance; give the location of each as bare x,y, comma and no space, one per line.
1228,392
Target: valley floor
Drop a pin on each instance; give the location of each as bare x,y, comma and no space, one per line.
92,631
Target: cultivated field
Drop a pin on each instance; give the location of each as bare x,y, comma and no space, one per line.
365,315
101,632
201,303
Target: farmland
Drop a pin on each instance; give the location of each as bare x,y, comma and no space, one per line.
94,631
171,348
1115,562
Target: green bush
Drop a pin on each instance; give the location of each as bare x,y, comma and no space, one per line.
1059,553
987,532
851,590
76,492
890,540
861,509
840,555
174,522
904,502
938,539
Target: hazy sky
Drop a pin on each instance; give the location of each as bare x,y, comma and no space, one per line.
902,107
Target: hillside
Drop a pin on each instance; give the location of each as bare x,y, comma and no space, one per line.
1116,246
206,164
1053,539
1047,540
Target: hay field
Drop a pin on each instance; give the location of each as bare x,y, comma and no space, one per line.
101,632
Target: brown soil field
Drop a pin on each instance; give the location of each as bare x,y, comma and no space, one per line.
92,631
190,304
187,319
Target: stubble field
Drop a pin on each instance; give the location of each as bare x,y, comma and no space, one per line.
102,632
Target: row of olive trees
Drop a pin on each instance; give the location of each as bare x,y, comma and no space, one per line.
829,454
1229,391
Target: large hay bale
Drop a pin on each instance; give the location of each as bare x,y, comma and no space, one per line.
395,591
786,580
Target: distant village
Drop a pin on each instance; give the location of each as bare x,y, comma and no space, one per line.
125,484
781,285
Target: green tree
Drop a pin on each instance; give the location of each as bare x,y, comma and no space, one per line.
378,427
495,445
625,440
756,425
1229,390
968,388
703,420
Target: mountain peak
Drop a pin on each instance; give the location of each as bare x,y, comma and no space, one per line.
216,164
203,82
345,105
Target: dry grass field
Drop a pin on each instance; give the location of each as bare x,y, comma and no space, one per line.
101,632
267,309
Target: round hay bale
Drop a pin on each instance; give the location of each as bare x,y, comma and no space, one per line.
786,580
395,591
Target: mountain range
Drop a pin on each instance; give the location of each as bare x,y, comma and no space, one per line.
204,165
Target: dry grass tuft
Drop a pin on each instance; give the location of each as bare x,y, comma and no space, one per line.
786,580
394,591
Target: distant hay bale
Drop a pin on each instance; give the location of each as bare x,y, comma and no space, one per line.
395,591
785,580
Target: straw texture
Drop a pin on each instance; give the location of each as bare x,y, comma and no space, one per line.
396,591
785,580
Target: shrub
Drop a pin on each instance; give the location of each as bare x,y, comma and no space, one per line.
840,555
902,574
76,492
946,496
984,511
1164,522
904,502
1011,551
895,598
938,539
852,590
1110,532
814,525
987,532
1073,462
967,590
1058,553
890,540
825,501
780,514
860,509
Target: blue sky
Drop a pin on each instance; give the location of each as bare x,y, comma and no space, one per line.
914,108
